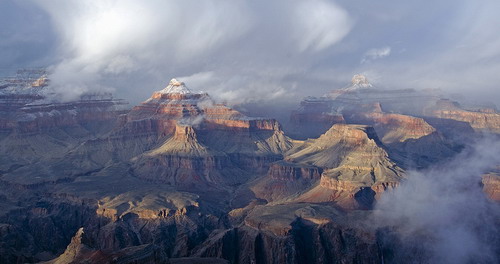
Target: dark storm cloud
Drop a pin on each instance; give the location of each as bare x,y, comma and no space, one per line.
26,36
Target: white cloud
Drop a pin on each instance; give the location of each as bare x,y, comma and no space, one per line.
121,64
443,212
137,46
320,24
110,39
118,37
374,54
200,80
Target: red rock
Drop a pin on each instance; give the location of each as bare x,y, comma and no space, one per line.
480,120
292,172
491,186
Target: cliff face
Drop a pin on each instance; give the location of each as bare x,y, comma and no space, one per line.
300,233
357,169
399,117
26,109
491,185
292,172
35,127
176,103
345,162
198,142
338,106
184,162
390,127
486,120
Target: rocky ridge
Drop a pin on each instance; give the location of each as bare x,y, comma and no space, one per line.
345,162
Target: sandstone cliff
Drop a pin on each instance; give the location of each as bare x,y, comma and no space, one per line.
485,120
344,163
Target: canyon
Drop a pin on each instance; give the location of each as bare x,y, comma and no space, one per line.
180,178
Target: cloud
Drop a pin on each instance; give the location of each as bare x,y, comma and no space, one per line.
101,42
375,54
320,24
200,80
442,215
121,64
237,89
137,46
118,37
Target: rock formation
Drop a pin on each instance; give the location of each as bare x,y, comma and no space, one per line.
330,107
344,162
481,120
199,140
26,109
37,127
182,179
396,115
491,185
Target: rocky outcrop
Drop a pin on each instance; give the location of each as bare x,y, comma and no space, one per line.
346,161
183,138
289,171
185,160
44,230
339,144
491,185
482,120
354,165
339,104
300,233
26,109
176,104
77,251
394,114
411,142
391,127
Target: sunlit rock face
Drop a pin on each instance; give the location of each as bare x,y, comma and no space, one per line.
356,169
184,139
346,162
350,104
176,103
491,184
417,128
481,120
201,141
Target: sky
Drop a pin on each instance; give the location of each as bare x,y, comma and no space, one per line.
254,51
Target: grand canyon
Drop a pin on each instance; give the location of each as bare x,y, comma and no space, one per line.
180,178
249,132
